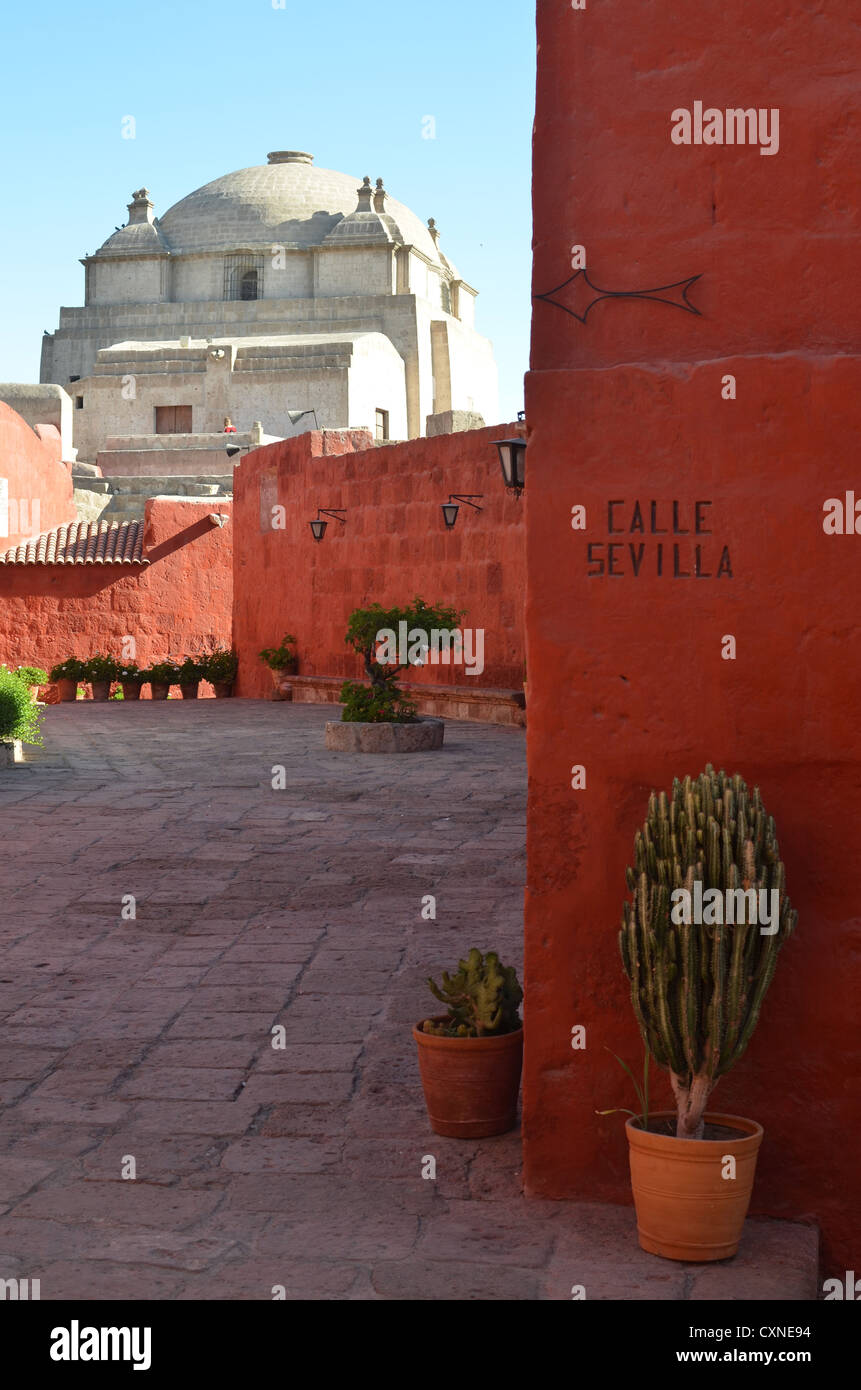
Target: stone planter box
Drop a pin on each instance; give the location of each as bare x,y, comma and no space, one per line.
420,737
11,751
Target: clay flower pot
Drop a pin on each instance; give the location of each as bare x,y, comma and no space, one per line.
101,690
470,1084
223,689
686,1208
188,690
131,690
159,690
34,692
66,690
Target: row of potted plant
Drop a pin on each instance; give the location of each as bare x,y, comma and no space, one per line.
102,672
697,988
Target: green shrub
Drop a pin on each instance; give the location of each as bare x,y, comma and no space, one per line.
72,669
385,702
373,704
20,717
482,999
191,670
220,666
131,673
32,675
164,673
281,658
100,668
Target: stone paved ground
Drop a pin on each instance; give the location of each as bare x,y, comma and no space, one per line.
151,1037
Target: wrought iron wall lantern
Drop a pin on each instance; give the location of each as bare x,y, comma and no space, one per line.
512,461
318,525
450,508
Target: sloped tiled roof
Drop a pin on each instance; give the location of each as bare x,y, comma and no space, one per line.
82,543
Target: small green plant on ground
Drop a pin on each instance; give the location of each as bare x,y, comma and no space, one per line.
118,694
697,987
220,666
72,669
32,675
100,668
20,717
384,701
482,998
164,673
282,657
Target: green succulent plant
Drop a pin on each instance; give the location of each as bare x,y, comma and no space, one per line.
482,998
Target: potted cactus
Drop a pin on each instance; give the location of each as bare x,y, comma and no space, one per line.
191,672
219,668
470,1057
101,672
131,677
282,662
700,939
162,675
65,676
34,677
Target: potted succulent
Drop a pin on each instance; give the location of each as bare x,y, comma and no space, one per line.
191,672
162,675
219,668
101,672
34,677
131,677
470,1057
700,939
379,717
20,718
66,675
282,662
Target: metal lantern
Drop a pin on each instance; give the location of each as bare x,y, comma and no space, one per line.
512,461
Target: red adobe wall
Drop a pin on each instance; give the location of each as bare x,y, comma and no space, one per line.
178,604
393,547
31,465
625,669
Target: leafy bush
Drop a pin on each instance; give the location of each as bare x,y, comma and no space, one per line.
32,675
482,999
164,673
220,666
100,668
191,671
373,704
72,669
283,657
20,717
131,673
366,623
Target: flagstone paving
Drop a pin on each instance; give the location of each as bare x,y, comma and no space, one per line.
148,1039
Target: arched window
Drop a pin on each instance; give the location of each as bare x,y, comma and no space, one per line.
248,285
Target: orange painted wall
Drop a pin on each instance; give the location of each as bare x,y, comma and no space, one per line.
175,605
393,546
31,465
626,675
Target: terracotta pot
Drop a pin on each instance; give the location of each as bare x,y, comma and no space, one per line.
34,692
686,1209
101,690
131,690
223,689
159,689
188,691
66,690
470,1084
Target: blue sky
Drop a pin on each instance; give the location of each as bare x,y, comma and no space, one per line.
214,86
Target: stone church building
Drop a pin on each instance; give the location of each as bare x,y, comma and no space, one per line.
274,290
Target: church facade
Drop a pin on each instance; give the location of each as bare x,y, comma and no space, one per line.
275,290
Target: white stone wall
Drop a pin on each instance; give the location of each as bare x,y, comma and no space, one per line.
127,281
377,382
361,271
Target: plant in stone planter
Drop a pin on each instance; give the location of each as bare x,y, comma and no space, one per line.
66,675
191,672
33,677
700,939
20,717
219,668
101,672
131,677
162,675
282,662
470,1057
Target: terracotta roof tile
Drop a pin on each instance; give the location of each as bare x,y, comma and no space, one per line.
82,543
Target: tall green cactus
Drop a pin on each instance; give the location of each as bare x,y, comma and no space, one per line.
697,988
482,998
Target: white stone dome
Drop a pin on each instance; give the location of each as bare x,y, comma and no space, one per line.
287,202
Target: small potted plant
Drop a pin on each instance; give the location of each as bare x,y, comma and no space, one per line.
191,672
219,668
131,678
162,675
700,953
20,718
66,676
101,672
470,1057
34,677
282,662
